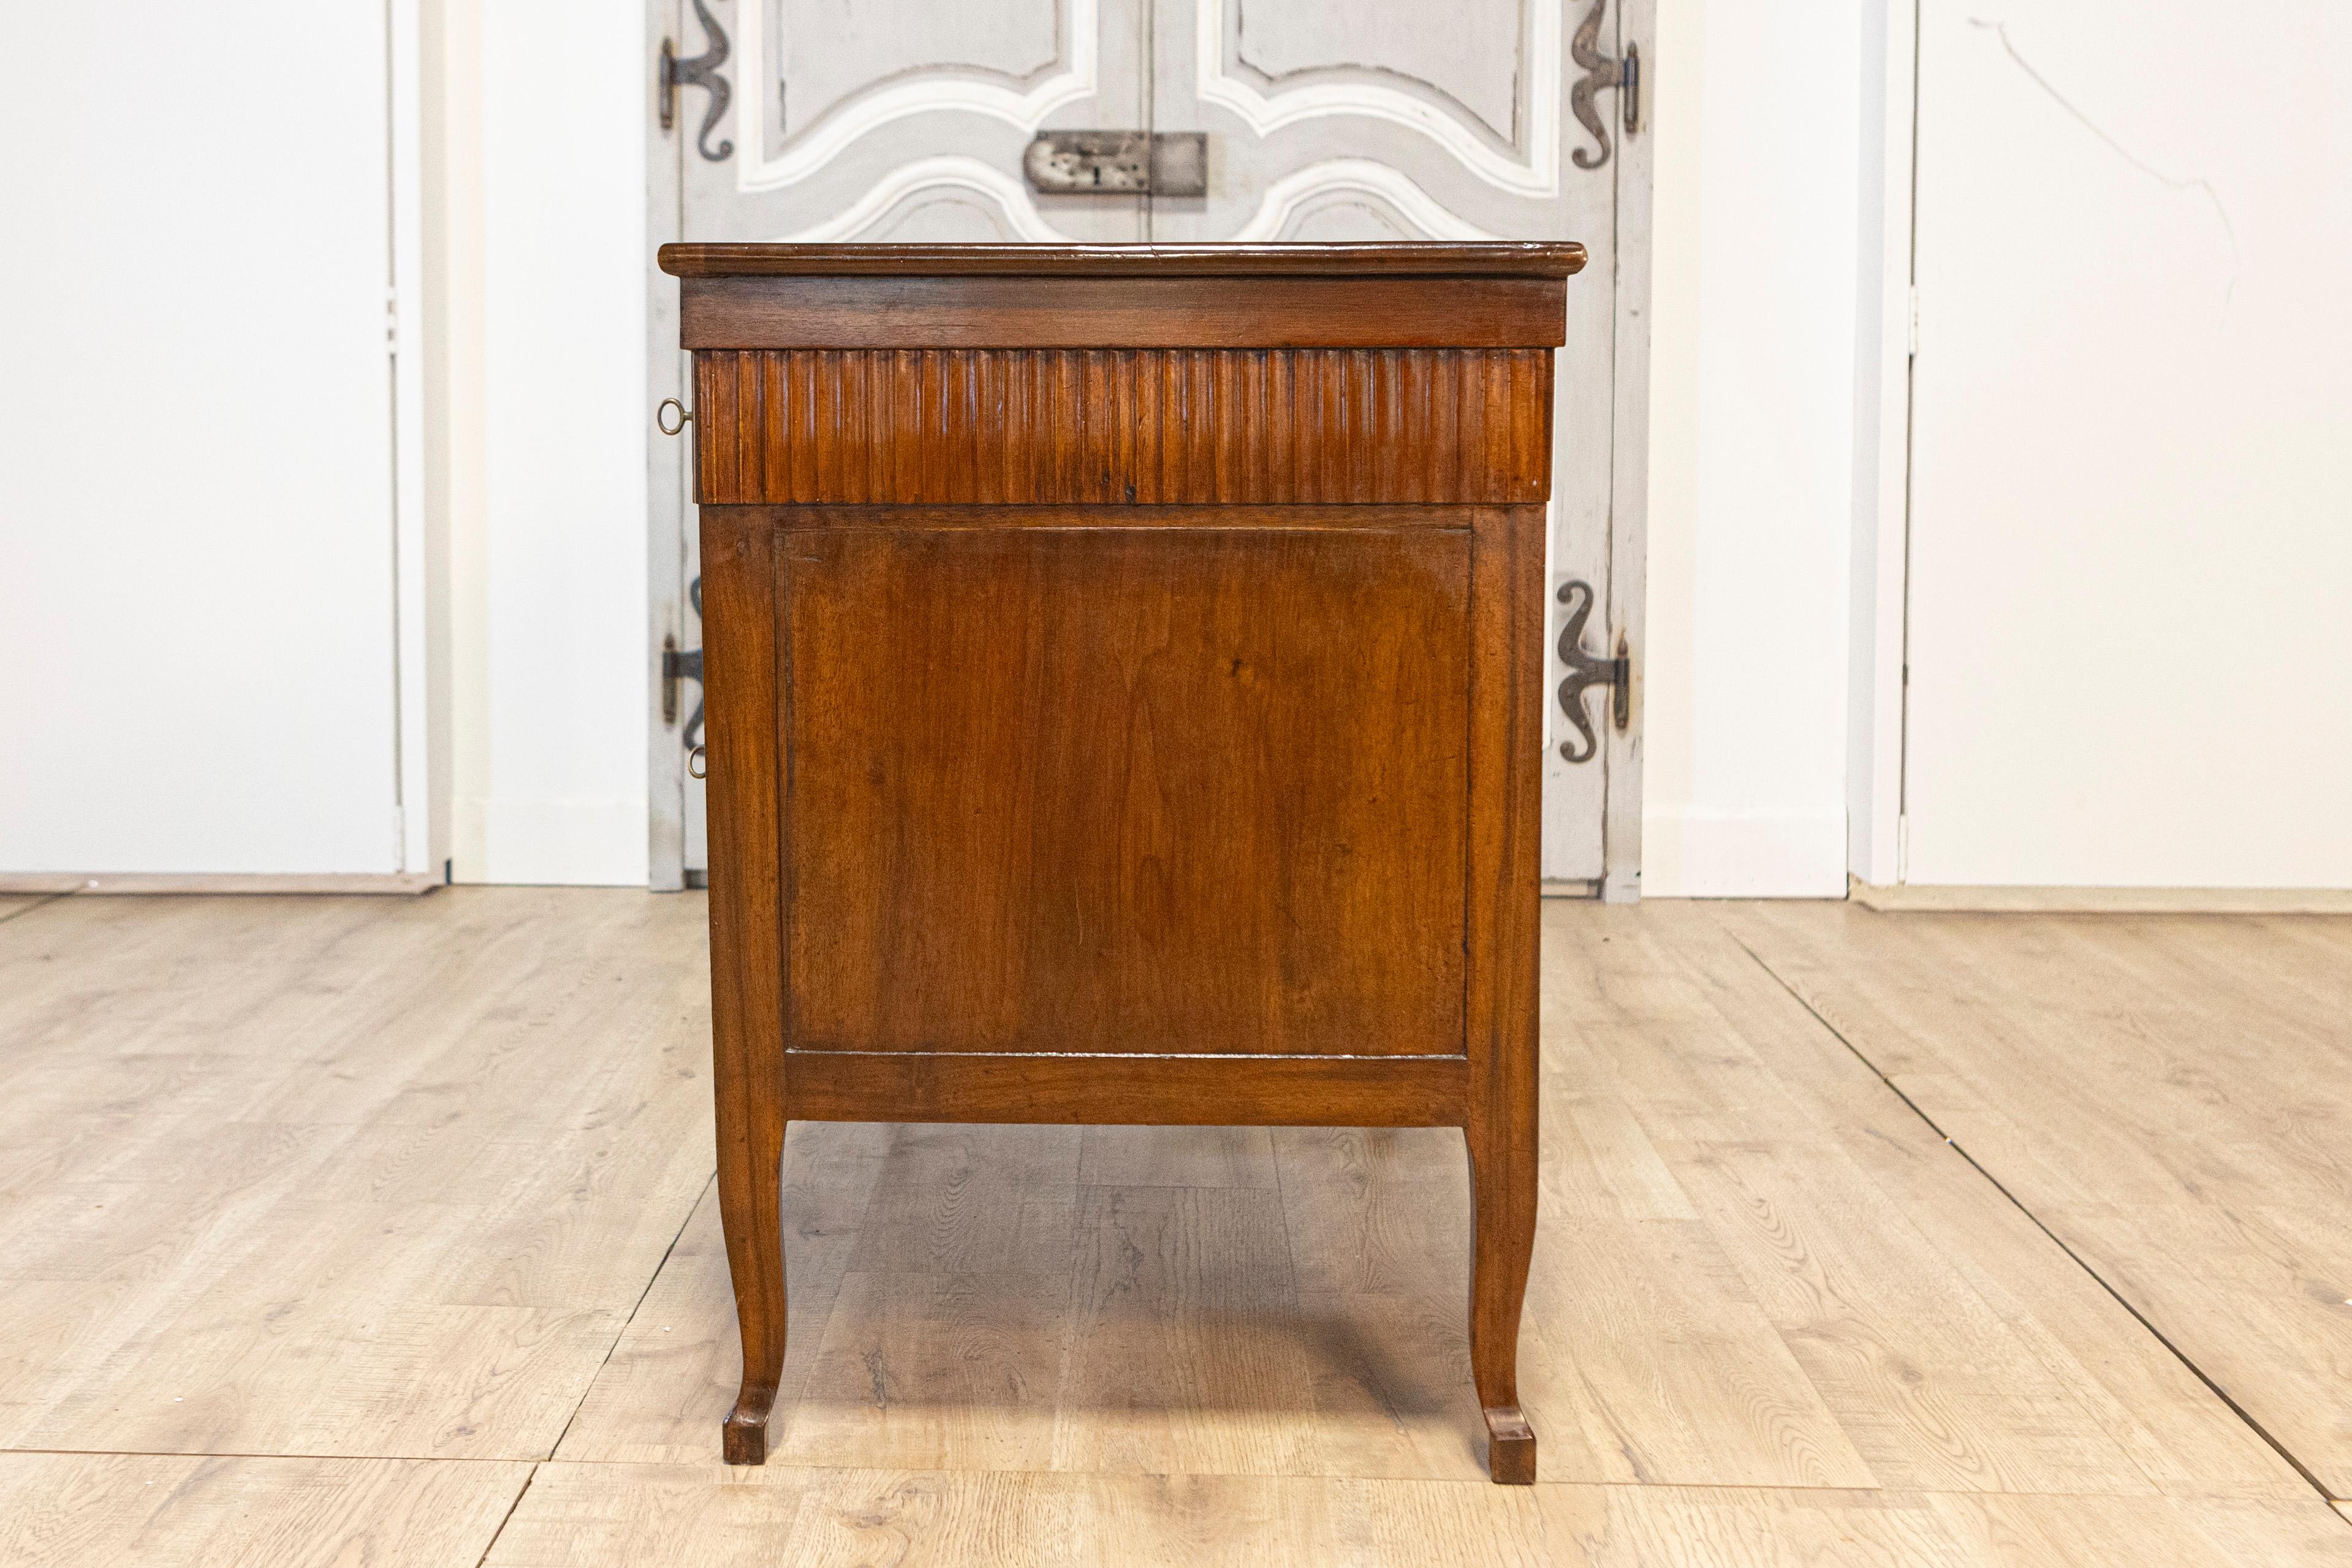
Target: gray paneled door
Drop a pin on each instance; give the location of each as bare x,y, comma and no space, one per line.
908,120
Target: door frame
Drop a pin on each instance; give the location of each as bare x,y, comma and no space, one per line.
1886,351
420,694
668,505
1632,168
1635,168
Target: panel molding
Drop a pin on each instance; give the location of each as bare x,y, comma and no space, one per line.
946,173
1248,1091
760,168
1536,175
1301,188
983,427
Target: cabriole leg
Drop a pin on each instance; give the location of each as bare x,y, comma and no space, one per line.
751,1156
1503,1238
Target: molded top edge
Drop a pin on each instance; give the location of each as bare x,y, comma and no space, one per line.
1512,258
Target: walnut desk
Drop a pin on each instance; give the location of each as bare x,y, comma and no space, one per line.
1123,691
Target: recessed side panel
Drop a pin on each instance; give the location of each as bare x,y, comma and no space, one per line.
1162,791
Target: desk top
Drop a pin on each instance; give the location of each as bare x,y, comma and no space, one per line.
1512,258
1420,296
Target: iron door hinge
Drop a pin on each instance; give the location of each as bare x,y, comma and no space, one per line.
1603,72
1585,670
683,664
702,71
677,665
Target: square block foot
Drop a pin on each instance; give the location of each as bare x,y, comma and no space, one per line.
744,1441
1510,1448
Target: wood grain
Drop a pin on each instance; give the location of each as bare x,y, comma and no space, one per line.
1412,259
250,1146
1172,312
1289,517
1249,1091
968,1242
2069,1054
68,1511
749,916
332,1177
1223,1399
1176,823
1107,427
1197,792
935,1519
681,1356
1506,736
1940,1269
1177,1157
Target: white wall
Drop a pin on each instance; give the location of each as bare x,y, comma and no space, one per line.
1758,115
540,257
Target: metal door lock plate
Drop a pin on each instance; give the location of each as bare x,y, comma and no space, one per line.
1118,163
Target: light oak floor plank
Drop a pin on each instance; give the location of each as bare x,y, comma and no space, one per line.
706,1515
2150,1405
69,1510
1756,1268
679,1358
16,903
1930,1383
2171,1095
417,1185
339,1177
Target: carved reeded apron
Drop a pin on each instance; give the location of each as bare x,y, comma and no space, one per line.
1124,672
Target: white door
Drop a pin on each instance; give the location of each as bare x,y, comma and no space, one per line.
197,517
898,121
2131,546
1332,123
910,121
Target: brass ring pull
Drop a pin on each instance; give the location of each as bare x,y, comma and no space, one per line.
662,420
697,766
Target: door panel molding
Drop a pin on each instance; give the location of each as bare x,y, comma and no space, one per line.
922,91
1393,137
1365,95
948,173
1302,189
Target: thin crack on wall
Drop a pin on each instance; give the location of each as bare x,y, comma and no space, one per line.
2000,30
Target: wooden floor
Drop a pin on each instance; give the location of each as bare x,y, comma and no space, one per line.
381,1230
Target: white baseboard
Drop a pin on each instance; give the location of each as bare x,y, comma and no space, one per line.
586,842
1692,852
1916,898
108,882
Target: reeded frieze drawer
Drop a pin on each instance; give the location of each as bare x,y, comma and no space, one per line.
1166,426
